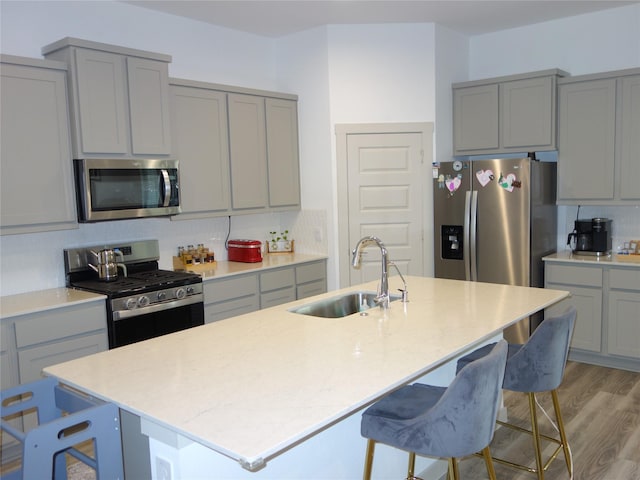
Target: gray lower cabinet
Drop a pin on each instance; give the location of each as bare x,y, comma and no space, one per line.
624,312
201,143
231,296
598,141
36,190
277,287
119,98
239,294
506,114
55,336
607,298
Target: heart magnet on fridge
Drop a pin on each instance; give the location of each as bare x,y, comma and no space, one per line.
453,184
484,177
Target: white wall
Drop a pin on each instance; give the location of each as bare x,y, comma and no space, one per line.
590,43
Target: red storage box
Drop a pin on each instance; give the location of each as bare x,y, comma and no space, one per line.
247,251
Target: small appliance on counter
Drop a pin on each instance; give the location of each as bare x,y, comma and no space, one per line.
591,237
246,251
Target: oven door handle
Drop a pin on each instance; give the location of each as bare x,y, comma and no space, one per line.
158,307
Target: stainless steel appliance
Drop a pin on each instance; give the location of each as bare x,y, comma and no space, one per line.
591,237
148,302
126,188
494,220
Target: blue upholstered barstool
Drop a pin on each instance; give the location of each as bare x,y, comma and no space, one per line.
44,447
537,366
446,422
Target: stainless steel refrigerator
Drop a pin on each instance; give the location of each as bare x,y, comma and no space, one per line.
494,220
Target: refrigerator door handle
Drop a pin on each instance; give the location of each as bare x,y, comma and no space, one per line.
465,236
473,237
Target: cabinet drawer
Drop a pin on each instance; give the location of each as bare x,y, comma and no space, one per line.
312,288
311,272
231,308
626,279
237,287
277,297
60,323
31,361
277,279
573,275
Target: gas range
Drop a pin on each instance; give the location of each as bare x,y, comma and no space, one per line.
142,291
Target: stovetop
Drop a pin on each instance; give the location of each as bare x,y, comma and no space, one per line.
137,282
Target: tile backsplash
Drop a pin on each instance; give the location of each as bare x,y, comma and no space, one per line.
34,261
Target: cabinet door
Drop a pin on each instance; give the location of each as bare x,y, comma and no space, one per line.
630,139
586,140
624,323
201,144
475,118
102,105
587,333
282,152
527,113
149,106
248,152
36,191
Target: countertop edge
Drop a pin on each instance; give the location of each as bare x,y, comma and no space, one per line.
50,299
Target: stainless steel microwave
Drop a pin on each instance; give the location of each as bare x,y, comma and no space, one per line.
131,188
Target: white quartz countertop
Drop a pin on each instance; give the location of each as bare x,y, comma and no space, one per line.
607,260
41,300
269,261
252,386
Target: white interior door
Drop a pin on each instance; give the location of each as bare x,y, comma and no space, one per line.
385,198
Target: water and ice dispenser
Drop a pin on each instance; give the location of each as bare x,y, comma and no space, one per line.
452,242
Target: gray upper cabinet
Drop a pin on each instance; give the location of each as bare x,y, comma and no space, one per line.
248,149
119,99
238,149
36,182
598,140
282,153
201,143
506,114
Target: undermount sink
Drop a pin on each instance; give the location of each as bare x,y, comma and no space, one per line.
341,306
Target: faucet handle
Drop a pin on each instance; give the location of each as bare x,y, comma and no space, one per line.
405,295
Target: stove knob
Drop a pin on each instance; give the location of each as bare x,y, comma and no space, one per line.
180,293
190,290
131,303
143,301
162,296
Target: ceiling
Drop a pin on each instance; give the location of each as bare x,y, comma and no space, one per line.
276,18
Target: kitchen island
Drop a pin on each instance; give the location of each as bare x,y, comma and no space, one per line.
276,394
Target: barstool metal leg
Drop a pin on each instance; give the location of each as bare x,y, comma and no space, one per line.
368,461
563,437
454,474
536,435
412,466
486,453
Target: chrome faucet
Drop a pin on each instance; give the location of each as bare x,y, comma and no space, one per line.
383,292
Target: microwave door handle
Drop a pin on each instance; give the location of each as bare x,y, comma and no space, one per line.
166,181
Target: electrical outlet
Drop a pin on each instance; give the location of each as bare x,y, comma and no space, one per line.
163,469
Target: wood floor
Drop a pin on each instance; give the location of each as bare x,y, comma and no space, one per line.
601,411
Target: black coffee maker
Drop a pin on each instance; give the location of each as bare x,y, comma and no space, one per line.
591,237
